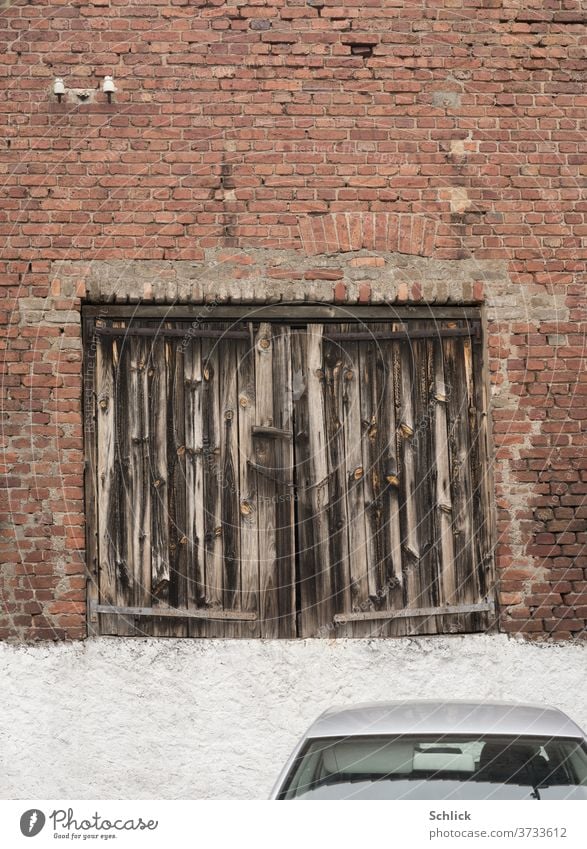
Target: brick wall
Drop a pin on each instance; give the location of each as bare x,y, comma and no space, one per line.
380,150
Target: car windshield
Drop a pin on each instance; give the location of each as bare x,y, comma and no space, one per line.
447,767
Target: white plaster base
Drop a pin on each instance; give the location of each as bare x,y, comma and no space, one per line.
137,719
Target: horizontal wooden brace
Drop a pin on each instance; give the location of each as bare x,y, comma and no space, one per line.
281,312
172,612
401,334
409,613
267,474
185,333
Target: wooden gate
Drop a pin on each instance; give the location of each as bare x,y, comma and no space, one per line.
272,480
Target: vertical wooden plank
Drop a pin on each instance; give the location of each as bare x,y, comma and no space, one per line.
425,493
248,508
212,482
444,511
90,409
176,462
389,466
381,481
313,494
159,482
264,458
195,523
480,514
122,517
334,366
130,451
483,518
163,498
355,498
404,389
369,429
460,471
230,534
139,503
107,490
386,480
284,493
307,560
143,583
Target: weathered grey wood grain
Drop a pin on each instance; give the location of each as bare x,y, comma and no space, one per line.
139,495
175,613
425,491
404,389
195,519
387,454
121,515
444,510
229,450
368,429
282,313
284,496
461,488
176,464
212,481
225,474
355,497
265,459
159,479
334,364
313,492
308,623
90,410
248,507
415,612
482,477
107,494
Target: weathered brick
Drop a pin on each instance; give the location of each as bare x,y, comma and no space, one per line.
252,129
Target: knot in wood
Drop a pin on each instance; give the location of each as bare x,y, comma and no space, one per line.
264,343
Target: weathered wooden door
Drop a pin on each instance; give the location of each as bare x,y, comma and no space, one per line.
272,480
390,454
192,496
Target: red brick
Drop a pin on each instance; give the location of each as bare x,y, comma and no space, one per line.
262,134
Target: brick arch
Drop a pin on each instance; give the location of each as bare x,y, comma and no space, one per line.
376,231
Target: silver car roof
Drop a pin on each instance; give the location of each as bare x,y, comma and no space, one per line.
444,717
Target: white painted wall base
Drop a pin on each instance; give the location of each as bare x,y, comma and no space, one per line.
142,718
